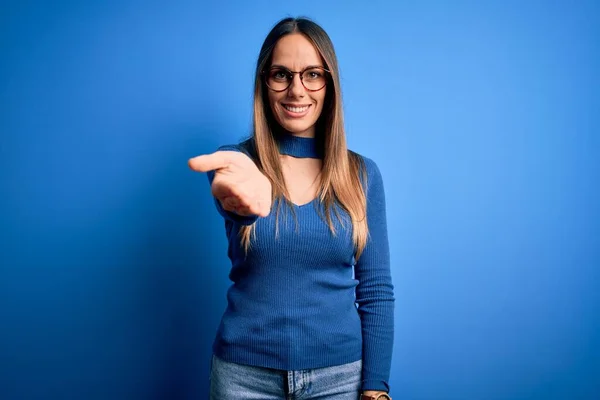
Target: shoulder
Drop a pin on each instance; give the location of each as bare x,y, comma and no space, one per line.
246,146
372,183
369,171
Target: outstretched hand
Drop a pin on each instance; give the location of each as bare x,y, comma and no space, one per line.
239,185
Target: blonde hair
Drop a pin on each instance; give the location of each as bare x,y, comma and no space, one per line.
342,169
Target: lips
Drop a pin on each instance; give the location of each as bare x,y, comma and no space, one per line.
296,110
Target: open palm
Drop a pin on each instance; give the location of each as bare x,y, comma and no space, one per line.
238,183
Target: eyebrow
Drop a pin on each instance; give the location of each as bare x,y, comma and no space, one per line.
307,67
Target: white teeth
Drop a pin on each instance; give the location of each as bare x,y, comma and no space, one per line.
295,109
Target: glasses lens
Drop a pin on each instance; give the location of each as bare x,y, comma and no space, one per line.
278,79
314,78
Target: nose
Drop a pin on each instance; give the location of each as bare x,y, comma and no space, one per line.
296,88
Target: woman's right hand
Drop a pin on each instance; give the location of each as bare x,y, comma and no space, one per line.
238,183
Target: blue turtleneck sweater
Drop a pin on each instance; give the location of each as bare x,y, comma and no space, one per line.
300,300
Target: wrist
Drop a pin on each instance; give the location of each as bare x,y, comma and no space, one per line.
375,395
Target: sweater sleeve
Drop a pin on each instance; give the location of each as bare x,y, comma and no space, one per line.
375,291
229,215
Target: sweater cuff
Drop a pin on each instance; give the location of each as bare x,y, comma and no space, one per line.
378,385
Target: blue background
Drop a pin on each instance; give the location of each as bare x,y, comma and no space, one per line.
484,119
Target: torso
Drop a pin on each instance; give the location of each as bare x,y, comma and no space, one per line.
302,178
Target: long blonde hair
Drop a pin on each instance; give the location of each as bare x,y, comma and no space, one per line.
342,169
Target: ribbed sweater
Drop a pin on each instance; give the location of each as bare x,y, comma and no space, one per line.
299,299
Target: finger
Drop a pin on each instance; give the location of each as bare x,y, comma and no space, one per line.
239,208
264,208
210,162
225,190
231,203
227,207
244,211
259,207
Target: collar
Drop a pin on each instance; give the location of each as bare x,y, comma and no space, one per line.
297,146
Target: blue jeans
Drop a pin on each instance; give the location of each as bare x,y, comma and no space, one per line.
230,381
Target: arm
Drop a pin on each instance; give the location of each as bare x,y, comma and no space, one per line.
375,292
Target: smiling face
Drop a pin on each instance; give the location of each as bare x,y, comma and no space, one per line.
297,109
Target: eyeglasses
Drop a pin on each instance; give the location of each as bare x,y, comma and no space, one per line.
279,78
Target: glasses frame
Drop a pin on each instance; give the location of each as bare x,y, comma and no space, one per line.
291,76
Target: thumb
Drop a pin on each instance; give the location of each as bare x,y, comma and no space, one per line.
209,162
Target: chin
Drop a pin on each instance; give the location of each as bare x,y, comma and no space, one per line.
297,128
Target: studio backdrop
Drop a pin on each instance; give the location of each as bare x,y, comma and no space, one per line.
482,116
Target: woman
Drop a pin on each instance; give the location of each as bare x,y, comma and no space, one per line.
306,223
